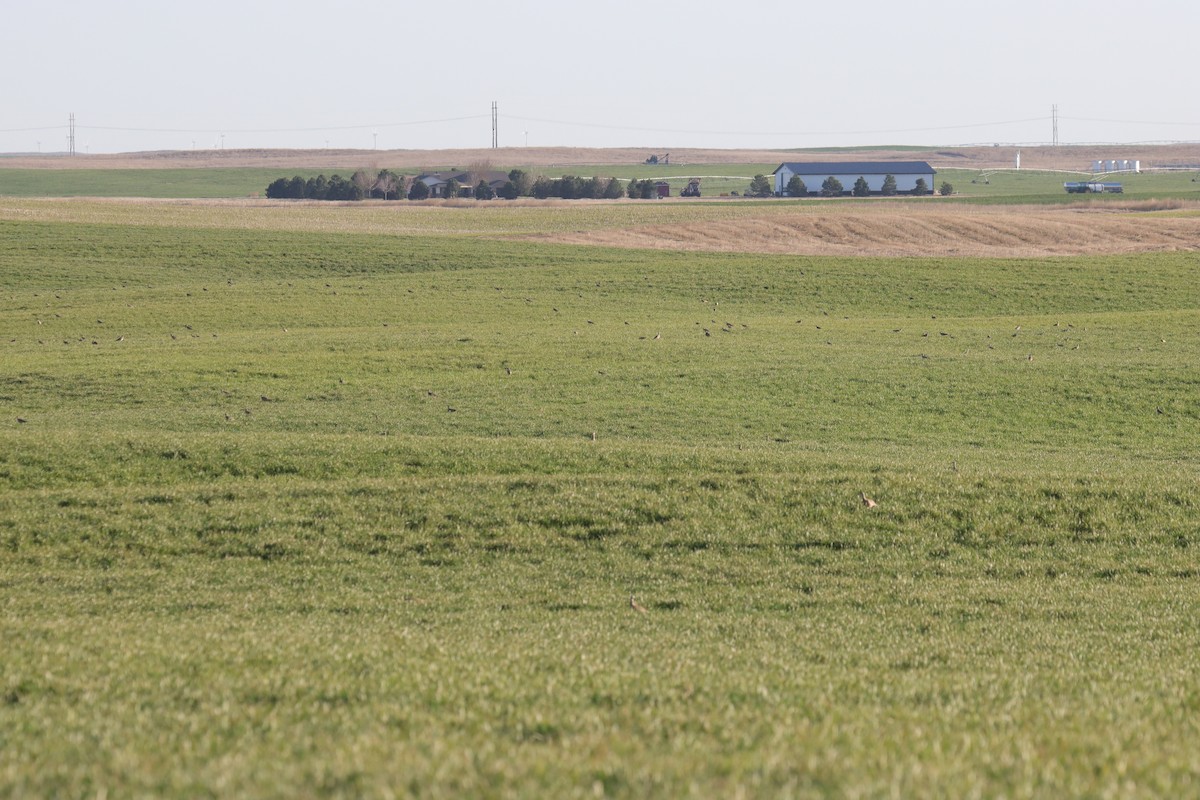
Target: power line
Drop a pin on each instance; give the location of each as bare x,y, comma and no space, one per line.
278,130
29,130
1131,121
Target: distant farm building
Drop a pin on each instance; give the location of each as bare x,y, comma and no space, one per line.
814,173
662,189
467,181
1117,165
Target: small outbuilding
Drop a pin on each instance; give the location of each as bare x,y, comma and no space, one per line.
814,173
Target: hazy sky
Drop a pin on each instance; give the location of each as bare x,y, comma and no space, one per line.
152,74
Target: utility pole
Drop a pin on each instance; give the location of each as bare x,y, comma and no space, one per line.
495,129
71,136
1054,117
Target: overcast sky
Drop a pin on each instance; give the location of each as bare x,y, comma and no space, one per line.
152,74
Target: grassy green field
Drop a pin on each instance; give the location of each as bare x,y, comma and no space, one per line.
1028,186
171,183
311,509
252,182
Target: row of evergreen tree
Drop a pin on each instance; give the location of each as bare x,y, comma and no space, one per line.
385,185
388,185
832,187
570,187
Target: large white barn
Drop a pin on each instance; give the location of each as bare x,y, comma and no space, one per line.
814,173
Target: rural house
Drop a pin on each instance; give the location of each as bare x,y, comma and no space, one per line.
436,181
814,174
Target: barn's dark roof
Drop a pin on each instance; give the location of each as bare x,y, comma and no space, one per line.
857,167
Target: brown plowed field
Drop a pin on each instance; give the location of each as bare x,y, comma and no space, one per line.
1065,157
915,231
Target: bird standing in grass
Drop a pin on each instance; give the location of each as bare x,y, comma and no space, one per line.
636,606
866,501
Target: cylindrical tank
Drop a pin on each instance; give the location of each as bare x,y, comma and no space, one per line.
1097,166
1137,166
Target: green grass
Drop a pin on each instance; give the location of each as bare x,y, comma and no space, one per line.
166,183
1010,186
307,513
252,182
1030,186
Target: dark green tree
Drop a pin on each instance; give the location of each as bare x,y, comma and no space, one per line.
831,187
523,181
761,186
542,187
889,186
278,188
317,188
566,187
796,187
509,190
483,191
296,187
921,187
614,189
418,191
451,188
341,189
946,189
591,188
861,187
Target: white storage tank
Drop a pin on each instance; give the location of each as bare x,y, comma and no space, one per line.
1097,166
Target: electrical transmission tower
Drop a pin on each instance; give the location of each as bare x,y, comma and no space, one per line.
495,127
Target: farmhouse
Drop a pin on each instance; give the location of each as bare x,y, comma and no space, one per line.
437,181
814,173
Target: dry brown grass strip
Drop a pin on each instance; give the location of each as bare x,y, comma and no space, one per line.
941,231
1065,157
